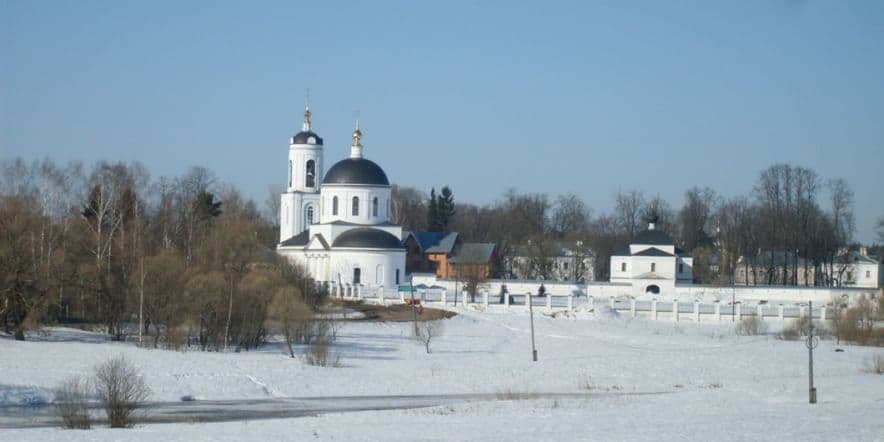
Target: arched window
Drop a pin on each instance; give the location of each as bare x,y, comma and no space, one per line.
311,174
357,275
622,266
290,173
309,216
653,266
397,276
334,205
374,207
355,211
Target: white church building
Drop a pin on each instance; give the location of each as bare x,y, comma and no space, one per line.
336,224
651,263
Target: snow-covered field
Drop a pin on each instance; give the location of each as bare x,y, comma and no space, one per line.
645,381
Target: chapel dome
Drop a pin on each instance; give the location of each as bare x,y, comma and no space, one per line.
307,137
356,171
367,238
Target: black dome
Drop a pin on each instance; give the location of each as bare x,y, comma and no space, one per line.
653,237
367,238
304,138
356,171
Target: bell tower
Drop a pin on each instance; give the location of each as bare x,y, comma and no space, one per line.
299,206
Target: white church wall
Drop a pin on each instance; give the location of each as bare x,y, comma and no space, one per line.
345,195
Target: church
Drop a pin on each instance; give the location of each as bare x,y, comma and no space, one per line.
337,224
652,263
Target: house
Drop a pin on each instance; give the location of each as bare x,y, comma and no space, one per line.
473,259
857,269
773,268
429,252
553,261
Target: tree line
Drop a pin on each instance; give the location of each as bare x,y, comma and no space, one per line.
183,260
791,210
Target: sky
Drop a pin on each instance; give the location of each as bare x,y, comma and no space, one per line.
585,97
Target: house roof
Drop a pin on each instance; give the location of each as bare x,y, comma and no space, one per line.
433,242
622,251
474,253
653,251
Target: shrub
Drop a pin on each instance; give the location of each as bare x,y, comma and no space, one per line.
876,364
71,403
425,331
319,353
798,328
120,389
751,326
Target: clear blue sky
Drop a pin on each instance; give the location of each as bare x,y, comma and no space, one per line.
584,97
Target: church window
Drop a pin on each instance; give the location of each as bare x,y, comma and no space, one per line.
311,174
374,207
397,276
290,173
309,216
868,273
334,205
622,266
653,266
357,275
355,211
681,268
565,265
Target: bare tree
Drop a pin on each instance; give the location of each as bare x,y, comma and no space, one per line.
72,403
427,330
629,211
570,216
120,389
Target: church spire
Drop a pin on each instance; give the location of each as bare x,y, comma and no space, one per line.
356,148
307,115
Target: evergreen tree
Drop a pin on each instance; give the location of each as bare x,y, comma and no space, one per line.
444,208
433,213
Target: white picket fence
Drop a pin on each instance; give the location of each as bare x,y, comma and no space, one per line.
644,308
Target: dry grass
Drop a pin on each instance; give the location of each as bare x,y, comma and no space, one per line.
751,326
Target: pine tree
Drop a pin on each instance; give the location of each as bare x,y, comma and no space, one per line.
433,213
445,208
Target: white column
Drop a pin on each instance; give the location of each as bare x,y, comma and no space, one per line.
485,298
801,312
444,296
632,307
548,301
654,309
590,301
760,311
506,298
675,310
823,313
570,302
402,296
696,311
718,311
739,311
612,303
780,313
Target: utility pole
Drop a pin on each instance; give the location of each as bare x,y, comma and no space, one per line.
812,342
413,307
531,314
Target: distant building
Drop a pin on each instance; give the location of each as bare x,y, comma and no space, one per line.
473,258
558,261
429,252
847,269
652,263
